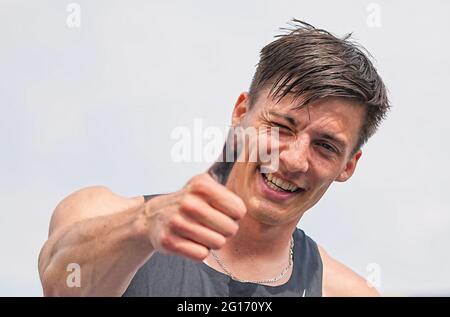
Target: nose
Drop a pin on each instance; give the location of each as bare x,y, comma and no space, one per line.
295,157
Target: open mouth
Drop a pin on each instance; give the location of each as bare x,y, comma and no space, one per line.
279,184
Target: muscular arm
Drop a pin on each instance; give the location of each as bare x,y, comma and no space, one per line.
340,281
111,237
99,231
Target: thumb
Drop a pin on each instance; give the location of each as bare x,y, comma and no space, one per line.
221,168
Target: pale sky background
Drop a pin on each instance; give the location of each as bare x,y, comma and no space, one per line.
97,104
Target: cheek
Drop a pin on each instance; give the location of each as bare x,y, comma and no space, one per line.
324,171
316,193
261,145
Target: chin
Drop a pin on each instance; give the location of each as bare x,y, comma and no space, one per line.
269,217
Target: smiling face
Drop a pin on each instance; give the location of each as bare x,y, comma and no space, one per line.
315,148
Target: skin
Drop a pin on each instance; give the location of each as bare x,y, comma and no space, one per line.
306,159
111,236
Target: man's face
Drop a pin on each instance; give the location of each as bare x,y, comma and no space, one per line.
315,148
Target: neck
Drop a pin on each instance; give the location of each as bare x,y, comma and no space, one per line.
256,252
255,240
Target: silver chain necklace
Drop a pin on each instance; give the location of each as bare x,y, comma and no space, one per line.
269,281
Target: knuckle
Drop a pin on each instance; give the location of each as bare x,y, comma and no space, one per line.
176,223
167,241
201,187
196,179
194,212
186,203
197,214
200,184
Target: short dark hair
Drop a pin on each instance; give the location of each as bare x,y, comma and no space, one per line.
312,64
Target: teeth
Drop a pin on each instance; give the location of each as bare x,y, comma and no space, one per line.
272,180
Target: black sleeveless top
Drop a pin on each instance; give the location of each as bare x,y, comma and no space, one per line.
176,276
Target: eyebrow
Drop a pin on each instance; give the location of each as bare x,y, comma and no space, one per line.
286,117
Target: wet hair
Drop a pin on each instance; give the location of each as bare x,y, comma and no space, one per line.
311,64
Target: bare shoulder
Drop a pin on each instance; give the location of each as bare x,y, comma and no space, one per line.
89,202
339,280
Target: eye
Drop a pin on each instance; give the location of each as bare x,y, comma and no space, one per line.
281,126
327,147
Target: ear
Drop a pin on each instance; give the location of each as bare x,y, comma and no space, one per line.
349,168
240,108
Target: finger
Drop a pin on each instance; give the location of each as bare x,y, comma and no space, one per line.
224,200
199,210
189,229
218,196
179,245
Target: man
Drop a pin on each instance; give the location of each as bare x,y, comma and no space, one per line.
232,230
